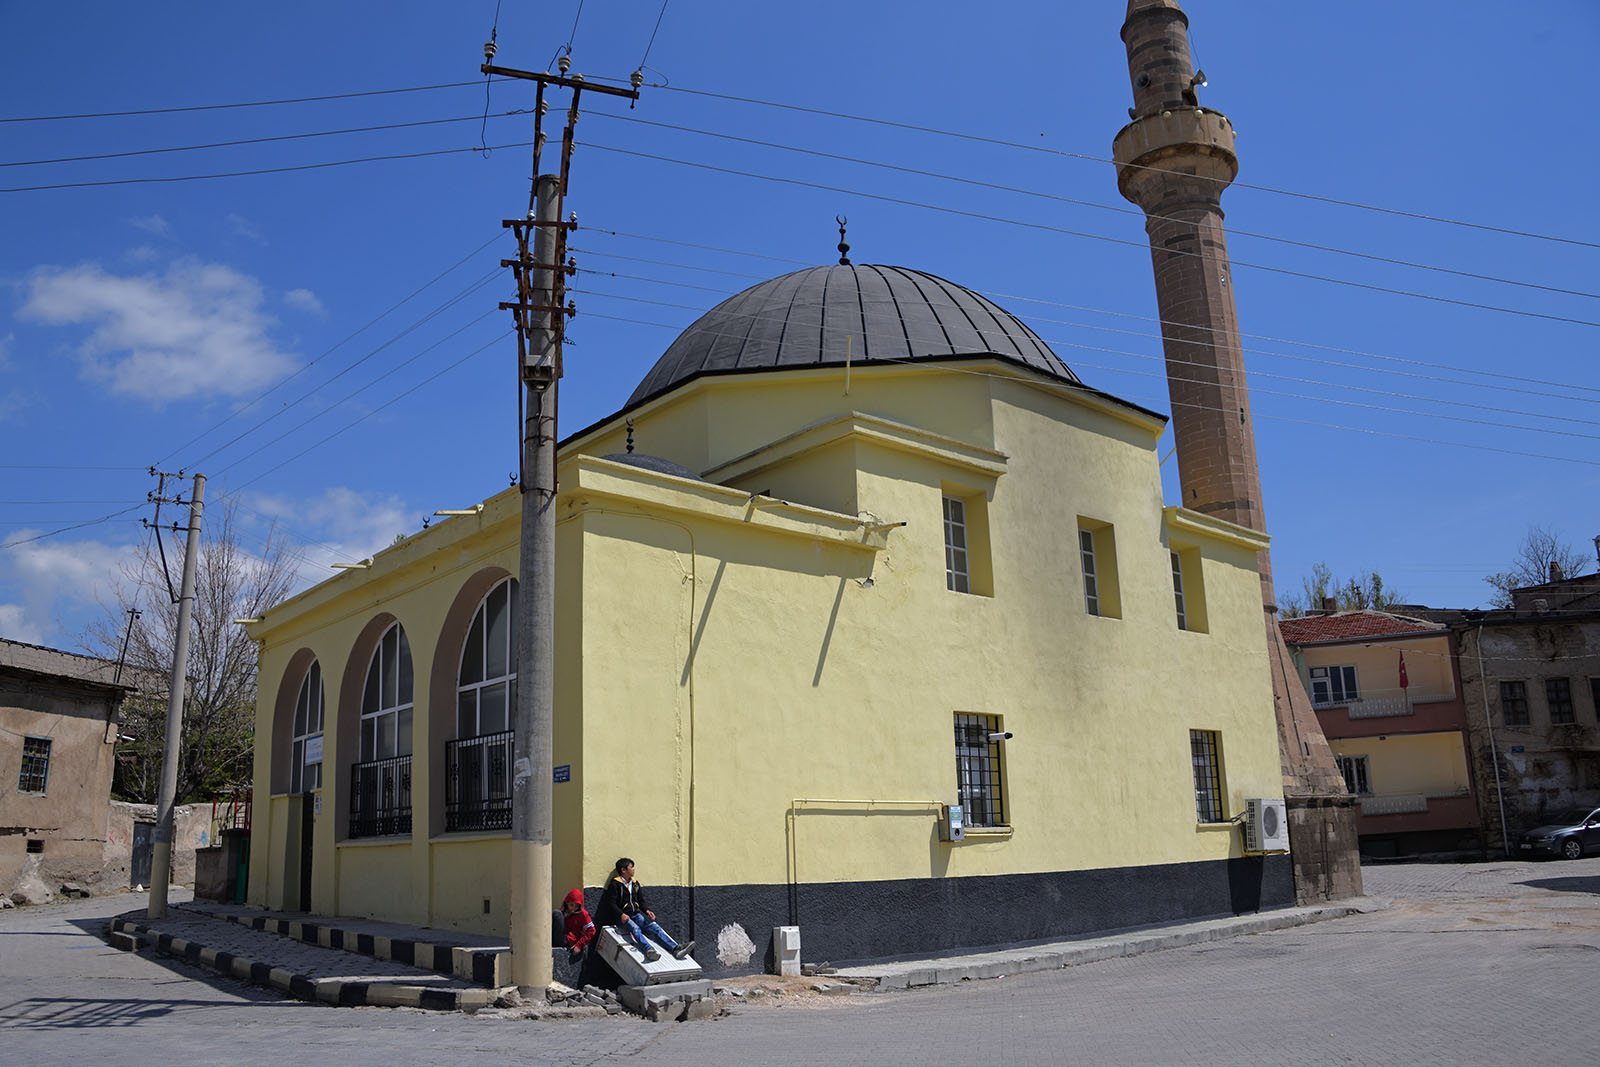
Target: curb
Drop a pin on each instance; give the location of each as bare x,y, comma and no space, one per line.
949,972
331,991
485,967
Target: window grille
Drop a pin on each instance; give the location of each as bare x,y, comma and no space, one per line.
1514,703
1205,748
980,787
957,569
380,798
1558,695
35,772
1354,769
1091,586
477,784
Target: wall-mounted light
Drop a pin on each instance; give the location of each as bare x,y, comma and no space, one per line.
247,622
474,510
363,565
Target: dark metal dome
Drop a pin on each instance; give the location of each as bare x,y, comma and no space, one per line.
888,314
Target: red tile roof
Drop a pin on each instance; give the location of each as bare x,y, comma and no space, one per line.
1352,626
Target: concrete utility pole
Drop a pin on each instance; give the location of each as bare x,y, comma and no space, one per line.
540,312
161,861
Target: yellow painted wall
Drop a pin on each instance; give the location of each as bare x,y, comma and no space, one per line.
1431,764
1378,666
718,661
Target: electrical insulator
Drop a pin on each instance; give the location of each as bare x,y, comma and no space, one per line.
636,79
572,219
544,107
565,62
488,51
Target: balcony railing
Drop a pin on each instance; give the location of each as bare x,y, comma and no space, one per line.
1393,804
380,798
477,783
1380,707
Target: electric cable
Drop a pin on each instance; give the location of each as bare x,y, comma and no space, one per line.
74,526
248,103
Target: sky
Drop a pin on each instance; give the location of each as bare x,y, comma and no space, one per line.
320,337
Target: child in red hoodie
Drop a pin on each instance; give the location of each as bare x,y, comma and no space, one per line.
580,928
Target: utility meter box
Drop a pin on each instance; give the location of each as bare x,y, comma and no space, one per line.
786,949
952,822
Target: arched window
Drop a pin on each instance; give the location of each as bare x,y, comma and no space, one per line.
478,761
305,751
386,701
380,785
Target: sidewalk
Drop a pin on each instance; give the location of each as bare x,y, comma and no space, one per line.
350,961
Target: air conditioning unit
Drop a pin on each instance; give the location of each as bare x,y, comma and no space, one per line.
1266,827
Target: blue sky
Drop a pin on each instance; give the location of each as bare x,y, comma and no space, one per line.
161,322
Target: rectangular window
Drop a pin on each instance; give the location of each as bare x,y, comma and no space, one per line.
1091,580
1177,591
35,765
1354,769
979,784
1331,686
1558,695
957,571
1205,748
1514,703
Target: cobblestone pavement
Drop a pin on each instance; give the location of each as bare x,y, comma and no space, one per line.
1489,963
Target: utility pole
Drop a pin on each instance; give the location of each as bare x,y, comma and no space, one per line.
161,862
540,312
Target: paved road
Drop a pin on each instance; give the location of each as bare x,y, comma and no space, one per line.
1472,964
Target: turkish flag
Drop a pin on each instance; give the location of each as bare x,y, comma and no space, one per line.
1403,682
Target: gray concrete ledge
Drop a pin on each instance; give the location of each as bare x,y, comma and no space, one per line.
911,974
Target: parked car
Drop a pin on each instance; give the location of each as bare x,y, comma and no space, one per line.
1568,833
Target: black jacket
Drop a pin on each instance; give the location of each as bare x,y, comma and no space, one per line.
617,900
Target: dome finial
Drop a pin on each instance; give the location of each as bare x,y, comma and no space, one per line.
844,246
630,435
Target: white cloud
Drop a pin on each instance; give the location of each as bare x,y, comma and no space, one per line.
198,329
246,229
152,224
54,587
141,254
15,626
346,524
304,300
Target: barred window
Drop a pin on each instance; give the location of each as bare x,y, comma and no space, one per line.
980,787
957,572
1205,747
1514,703
1355,771
1558,695
35,765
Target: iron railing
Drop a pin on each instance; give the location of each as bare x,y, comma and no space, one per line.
380,798
477,783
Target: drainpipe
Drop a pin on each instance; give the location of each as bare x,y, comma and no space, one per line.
1494,755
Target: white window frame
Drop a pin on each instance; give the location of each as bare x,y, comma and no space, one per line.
379,704
1177,591
304,777
1334,685
1357,774
1091,580
957,546
473,679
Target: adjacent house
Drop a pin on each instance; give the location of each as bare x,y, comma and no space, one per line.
859,549
1531,681
1386,693
58,733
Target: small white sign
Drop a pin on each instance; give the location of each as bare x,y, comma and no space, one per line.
316,804
313,749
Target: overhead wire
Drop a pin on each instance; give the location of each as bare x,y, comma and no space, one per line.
247,103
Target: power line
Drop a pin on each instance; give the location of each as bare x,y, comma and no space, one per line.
1498,375
985,217
328,352
48,467
260,170
652,42
1097,205
249,103
1102,159
74,526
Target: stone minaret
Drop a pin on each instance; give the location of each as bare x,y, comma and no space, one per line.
1174,160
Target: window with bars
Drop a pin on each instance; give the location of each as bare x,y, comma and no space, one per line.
1205,749
1356,778
1558,696
957,562
980,785
35,772
1177,591
305,750
1514,703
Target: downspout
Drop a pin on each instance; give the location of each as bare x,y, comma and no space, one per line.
1494,755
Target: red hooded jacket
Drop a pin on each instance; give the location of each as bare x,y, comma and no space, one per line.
580,928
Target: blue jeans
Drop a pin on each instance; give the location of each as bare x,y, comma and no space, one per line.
637,926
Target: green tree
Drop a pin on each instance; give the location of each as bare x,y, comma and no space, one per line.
1356,593
219,704
1531,564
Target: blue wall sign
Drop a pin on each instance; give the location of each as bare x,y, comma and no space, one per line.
564,773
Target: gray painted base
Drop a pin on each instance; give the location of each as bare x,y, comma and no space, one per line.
852,922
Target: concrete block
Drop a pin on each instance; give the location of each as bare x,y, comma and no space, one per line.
280,978
123,942
328,990
381,948
395,996
700,1009
634,969
461,963
637,998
